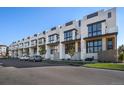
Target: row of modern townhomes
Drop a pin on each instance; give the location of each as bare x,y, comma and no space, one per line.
94,36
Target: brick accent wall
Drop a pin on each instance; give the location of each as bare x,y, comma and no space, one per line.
108,55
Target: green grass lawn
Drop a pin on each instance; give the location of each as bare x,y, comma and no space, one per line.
112,66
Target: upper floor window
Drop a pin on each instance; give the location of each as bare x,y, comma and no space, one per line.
57,37
51,38
54,28
79,23
23,39
94,29
33,42
109,15
69,23
92,15
60,26
35,35
44,32
21,44
68,35
42,40
28,37
27,43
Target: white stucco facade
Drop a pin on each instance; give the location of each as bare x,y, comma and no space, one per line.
3,50
59,39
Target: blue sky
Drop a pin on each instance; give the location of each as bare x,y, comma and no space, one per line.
16,23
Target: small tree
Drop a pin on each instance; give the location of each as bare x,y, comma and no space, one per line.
121,53
71,51
121,49
42,50
121,57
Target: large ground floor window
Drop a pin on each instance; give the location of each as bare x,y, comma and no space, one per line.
54,49
110,43
94,46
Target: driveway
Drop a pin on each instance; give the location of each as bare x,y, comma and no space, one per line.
56,75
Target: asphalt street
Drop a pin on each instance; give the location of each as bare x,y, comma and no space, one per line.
13,72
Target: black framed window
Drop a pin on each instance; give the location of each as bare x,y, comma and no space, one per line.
33,42
67,35
44,40
27,43
90,30
109,15
69,23
110,43
94,46
94,29
21,44
51,38
35,35
79,23
41,40
44,32
92,15
54,28
57,36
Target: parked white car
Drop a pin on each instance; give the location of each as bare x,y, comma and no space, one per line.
35,58
24,58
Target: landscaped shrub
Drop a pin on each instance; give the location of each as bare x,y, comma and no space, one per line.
121,57
71,51
42,50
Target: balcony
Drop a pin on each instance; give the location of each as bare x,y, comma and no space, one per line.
33,43
108,32
53,42
78,36
68,39
72,38
26,45
112,30
40,42
13,48
20,46
16,46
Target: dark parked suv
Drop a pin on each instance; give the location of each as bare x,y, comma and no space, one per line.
89,59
